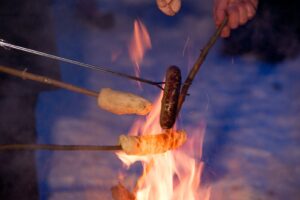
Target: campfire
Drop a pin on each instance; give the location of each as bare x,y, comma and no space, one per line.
170,155
173,174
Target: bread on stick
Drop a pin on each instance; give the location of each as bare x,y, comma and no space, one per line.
152,144
121,103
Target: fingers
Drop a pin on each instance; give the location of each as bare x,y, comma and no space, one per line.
233,20
250,10
251,7
220,7
225,32
233,16
243,13
239,12
220,10
254,3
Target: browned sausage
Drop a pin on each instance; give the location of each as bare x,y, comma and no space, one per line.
170,98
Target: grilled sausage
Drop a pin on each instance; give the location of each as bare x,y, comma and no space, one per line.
170,98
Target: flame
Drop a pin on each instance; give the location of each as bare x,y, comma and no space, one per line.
139,44
174,175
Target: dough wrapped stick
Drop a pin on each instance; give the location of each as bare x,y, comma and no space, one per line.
108,99
152,144
122,102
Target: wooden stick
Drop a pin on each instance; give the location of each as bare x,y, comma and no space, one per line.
46,80
54,147
197,65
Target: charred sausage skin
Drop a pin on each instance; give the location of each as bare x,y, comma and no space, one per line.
170,97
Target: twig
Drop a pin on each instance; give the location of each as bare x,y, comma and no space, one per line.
54,147
46,80
74,62
197,65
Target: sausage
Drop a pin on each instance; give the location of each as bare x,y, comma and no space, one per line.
170,97
152,144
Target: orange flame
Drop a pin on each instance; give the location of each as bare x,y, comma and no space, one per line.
139,44
173,175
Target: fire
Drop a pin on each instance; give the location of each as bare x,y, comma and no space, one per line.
139,44
174,175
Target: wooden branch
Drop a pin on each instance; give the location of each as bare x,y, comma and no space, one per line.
197,65
47,80
53,147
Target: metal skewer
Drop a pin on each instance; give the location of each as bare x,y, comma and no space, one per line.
74,62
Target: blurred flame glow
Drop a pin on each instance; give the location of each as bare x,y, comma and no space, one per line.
139,44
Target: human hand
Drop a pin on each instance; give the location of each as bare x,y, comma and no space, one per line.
238,11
